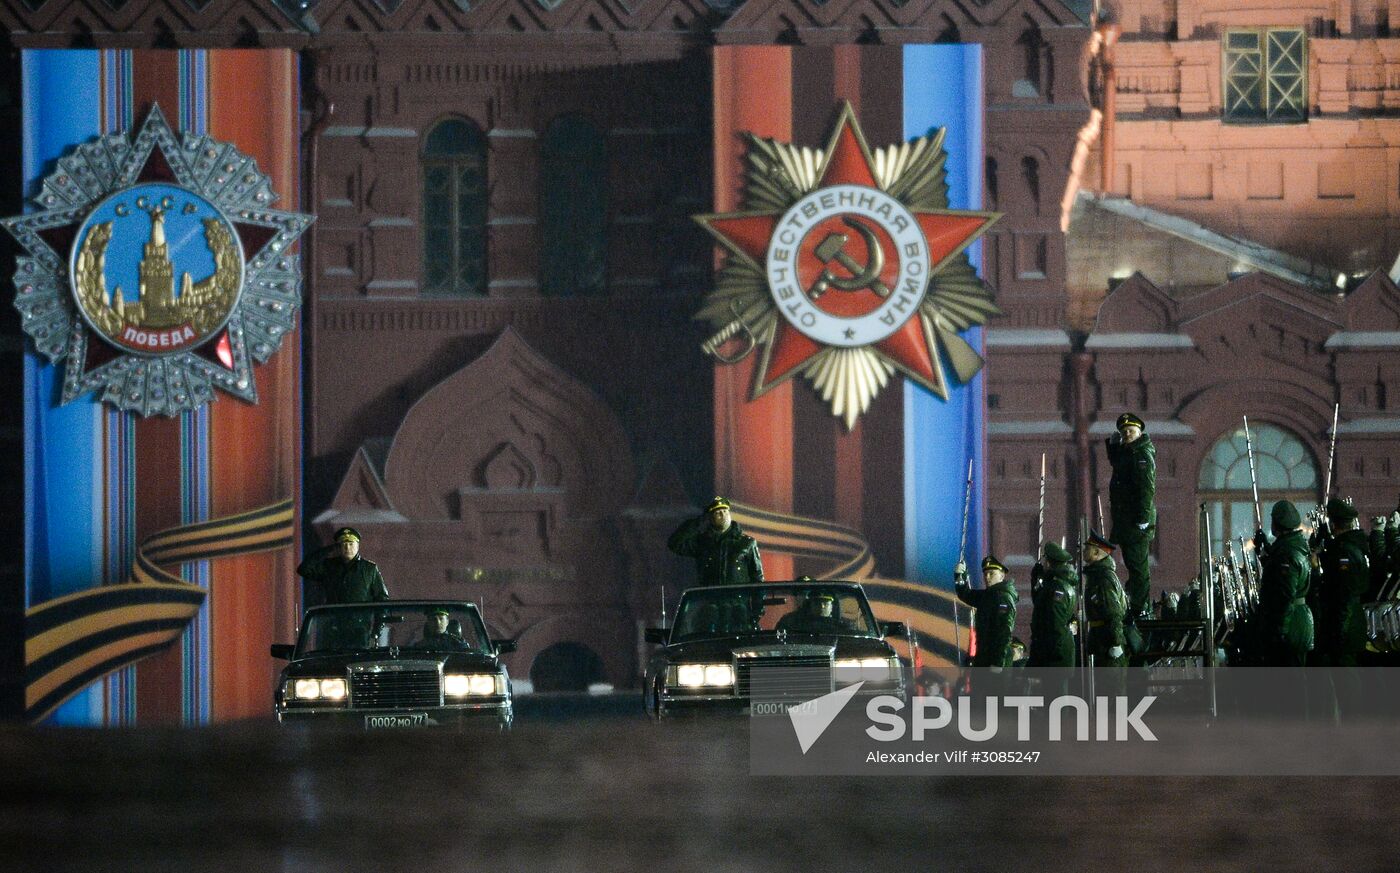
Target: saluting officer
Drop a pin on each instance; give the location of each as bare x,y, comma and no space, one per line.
1104,603
341,574
996,611
1131,498
1285,621
1054,604
1346,574
723,553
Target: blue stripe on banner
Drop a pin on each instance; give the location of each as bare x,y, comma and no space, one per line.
943,88
63,445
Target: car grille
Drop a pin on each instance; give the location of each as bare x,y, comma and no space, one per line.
783,677
371,689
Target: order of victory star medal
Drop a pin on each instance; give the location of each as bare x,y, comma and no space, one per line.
847,266
157,270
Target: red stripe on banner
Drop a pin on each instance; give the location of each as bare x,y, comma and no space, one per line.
753,439
255,449
155,78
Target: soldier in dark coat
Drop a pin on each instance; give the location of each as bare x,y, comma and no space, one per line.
1104,604
340,574
1284,620
996,612
1131,499
723,553
1054,604
1346,575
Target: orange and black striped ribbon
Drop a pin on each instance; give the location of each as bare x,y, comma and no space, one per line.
72,641
928,611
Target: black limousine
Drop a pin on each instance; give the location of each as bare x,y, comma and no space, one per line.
779,642
394,663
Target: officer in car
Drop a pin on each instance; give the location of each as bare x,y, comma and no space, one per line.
340,574
723,553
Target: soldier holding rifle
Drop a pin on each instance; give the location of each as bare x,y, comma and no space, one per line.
1054,604
996,611
1284,620
1105,603
1345,577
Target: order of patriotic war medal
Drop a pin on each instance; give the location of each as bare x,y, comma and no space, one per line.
847,266
157,271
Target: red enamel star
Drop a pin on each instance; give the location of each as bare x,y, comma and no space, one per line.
912,346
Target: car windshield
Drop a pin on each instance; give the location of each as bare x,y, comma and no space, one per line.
448,627
798,609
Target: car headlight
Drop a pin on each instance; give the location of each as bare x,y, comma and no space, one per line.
473,684
318,689
702,675
851,670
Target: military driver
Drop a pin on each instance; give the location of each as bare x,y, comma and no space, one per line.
438,632
816,616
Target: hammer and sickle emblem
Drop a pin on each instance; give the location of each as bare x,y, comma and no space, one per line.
866,275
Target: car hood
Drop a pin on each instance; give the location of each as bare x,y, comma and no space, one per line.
722,649
336,664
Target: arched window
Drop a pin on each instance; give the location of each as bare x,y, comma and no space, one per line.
573,208
1285,468
454,209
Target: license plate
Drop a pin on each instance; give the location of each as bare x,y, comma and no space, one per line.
409,719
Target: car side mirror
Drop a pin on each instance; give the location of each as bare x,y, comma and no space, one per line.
893,629
504,647
657,635
283,651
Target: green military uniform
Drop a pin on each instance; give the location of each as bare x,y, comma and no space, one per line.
1105,605
1383,550
341,581
1285,622
1131,497
728,557
1054,604
995,619
1346,575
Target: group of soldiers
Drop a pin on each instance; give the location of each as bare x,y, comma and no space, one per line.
1112,609
1310,591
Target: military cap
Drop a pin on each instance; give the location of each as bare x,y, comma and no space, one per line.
1128,418
1340,510
1057,553
824,595
1285,515
1098,539
717,503
347,535
439,610
991,563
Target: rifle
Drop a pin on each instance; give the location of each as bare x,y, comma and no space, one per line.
1253,479
1086,659
962,558
1040,518
1331,453
1251,577
1099,499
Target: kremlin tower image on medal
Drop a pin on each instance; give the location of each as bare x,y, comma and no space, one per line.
199,307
